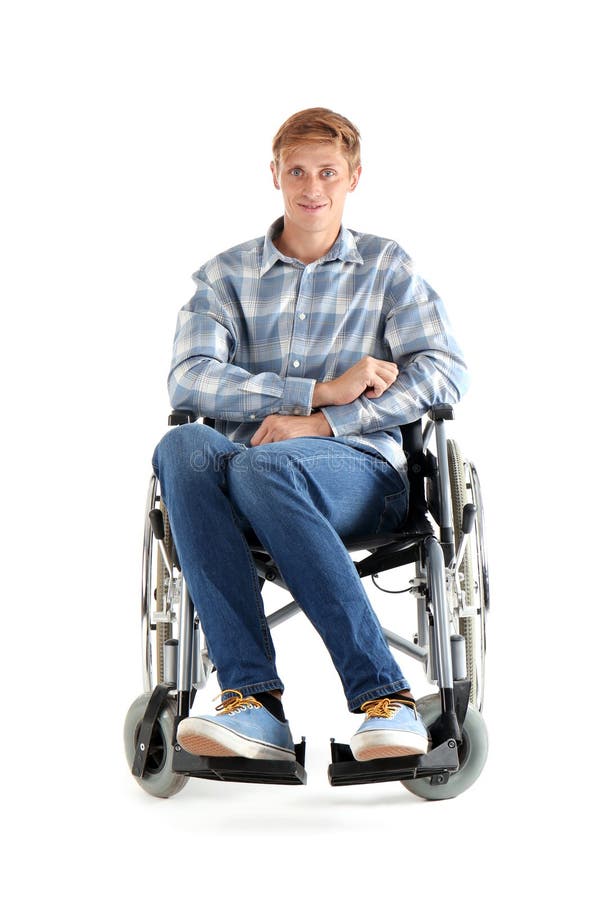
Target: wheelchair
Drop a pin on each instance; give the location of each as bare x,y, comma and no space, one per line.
442,542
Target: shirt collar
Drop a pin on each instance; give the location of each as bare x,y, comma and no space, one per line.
344,248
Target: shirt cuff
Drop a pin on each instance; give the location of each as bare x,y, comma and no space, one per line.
297,396
347,419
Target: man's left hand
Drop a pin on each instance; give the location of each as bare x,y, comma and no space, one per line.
281,428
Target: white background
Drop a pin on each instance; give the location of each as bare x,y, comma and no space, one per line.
136,145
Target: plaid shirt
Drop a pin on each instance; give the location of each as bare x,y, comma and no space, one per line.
263,328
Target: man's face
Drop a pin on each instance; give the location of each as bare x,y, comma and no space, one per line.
314,180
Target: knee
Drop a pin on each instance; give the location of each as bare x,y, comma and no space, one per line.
185,450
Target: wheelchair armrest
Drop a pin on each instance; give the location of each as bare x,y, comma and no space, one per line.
181,417
184,416
440,412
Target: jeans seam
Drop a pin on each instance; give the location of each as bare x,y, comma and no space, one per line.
275,684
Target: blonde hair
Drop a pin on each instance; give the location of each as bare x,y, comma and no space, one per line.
318,125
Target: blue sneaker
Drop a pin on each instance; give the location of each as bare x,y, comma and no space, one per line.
243,727
391,728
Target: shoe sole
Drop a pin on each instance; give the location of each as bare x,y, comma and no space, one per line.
208,739
380,745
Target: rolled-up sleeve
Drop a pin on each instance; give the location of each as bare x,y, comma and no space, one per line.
419,339
202,377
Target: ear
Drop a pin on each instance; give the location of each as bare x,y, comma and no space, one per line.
274,173
355,178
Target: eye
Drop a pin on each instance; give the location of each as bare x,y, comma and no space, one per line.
328,173
296,171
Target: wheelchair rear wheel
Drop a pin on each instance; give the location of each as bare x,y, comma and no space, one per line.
472,753
158,589
158,778
164,629
473,572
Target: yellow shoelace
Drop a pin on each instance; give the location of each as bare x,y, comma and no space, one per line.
385,707
235,703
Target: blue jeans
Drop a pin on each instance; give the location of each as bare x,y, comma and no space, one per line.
298,496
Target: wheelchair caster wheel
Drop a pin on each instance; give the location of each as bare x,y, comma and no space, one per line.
158,778
472,754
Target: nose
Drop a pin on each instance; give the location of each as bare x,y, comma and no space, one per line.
311,187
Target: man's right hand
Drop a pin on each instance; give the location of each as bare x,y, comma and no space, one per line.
369,377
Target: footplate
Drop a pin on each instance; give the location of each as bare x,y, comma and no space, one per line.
437,764
237,768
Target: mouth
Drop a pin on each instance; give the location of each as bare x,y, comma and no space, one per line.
311,207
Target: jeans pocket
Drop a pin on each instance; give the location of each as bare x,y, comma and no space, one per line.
394,511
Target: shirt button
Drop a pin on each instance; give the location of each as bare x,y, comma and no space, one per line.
253,415
296,364
302,316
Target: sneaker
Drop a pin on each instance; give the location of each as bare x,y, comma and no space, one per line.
243,727
392,728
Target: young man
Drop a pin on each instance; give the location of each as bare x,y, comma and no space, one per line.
308,347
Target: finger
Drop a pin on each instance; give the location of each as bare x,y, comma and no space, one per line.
383,364
387,369
271,434
388,372
376,387
388,378
384,380
381,381
259,435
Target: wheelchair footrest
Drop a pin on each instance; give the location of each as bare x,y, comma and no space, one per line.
238,768
437,764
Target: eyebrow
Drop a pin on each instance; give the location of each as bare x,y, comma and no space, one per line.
325,166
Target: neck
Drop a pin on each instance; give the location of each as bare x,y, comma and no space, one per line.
303,245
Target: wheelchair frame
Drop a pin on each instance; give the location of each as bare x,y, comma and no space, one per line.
451,585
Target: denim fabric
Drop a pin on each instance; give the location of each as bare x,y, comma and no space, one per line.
298,496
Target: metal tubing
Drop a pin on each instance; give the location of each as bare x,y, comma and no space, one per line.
422,622
185,651
165,557
280,615
445,489
435,563
198,675
458,656
408,647
432,667
459,556
170,661
427,434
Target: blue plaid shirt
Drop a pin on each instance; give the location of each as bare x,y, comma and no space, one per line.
263,328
